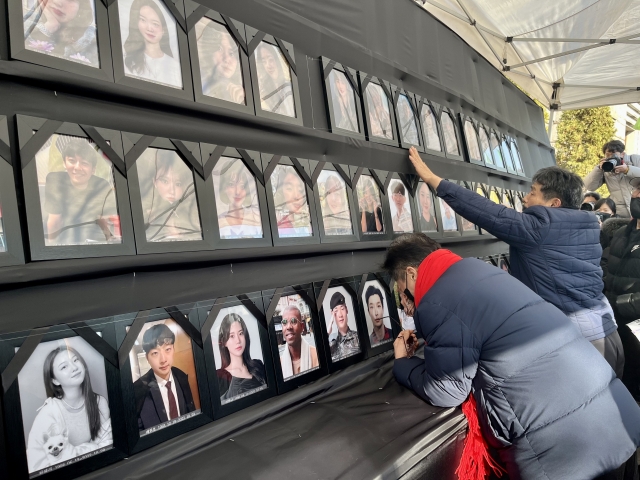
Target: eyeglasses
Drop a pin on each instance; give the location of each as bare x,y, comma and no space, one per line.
293,321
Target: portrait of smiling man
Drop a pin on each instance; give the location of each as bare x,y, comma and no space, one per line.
297,356
374,300
344,342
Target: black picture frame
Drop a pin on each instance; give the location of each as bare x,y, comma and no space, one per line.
461,221
515,154
410,182
446,112
506,154
271,298
364,80
136,145
486,150
507,198
518,197
503,259
343,172
380,180
254,38
471,138
427,107
413,104
175,8
328,66
351,286
20,52
211,155
11,250
383,280
110,143
308,176
494,194
496,150
100,335
436,234
208,312
194,14
448,233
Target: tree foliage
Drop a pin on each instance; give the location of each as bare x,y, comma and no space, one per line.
581,135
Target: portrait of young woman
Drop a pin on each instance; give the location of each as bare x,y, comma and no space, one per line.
426,209
343,101
370,206
291,204
334,203
274,80
379,112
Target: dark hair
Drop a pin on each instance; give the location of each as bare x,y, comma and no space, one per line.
134,45
595,195
399,188
556,182
408,250
157,336
614,146
225,330
81,148
235,171
373,291
56,391
610,203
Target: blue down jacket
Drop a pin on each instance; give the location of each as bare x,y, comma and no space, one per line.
547,400
553,251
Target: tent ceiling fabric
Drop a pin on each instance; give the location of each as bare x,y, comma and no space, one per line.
539,43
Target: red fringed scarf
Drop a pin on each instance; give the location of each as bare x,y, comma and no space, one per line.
476,461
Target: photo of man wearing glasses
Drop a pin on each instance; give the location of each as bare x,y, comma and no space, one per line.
297,356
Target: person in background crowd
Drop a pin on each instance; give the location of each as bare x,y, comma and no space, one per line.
530,385
554,247
605,205
591,197
618,180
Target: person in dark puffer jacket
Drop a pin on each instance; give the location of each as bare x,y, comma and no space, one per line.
554,248
546,399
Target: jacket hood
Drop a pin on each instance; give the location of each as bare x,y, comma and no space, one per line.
610,226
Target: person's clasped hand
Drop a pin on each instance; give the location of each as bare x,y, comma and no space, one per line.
405,345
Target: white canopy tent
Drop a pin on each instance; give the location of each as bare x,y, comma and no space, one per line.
567,54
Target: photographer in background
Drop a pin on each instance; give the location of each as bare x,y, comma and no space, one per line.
616,170
589,200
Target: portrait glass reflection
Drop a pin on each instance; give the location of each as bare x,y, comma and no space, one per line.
220,65
485,148
343,100
430,127
150,42
290,201
296,339
168,197
65,404
236,199
400,207
379,112
376,313
407,120
164,378
426,209
449,132
77,193
3,238
334,203
518,203
340,322
472,140
62,28
274,80
370,205
238,354
449,220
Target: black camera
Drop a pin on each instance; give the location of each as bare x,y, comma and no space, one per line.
612,163
588,206
602,216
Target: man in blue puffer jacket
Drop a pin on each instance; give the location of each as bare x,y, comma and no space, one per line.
546,400
554,248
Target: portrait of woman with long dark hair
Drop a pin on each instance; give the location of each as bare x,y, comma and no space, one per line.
147,44
370,206
274,80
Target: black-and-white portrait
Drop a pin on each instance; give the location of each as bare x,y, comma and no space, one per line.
220,65
340,322
376,313
449,220
379,111
77,193
237,351
168,197
343,100
370,206
336,215
274,80
62,28
430,128
400,207
427,209
291,204
236,200
150,42
407,121
64,403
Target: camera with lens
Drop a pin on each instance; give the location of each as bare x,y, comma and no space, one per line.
612,163
602,216
587,206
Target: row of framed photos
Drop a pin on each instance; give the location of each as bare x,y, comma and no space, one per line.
181,48
80,396
91,192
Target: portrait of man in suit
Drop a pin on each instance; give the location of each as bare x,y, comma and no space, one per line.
163,393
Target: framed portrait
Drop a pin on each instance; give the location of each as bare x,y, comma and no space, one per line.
292,210
166,184
471,140
428,219
62,401
467,227
164,379
379,114
235,191
342,330
503,263
378,308
75,190
219,60
408,118
515,155
450,133
507,198
506,154
485,147
494,195
517,201
275,78
73,37
236,342
342,94
430,124
494,142
336,208
400,197
450,227
149,44
373,217
298,351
